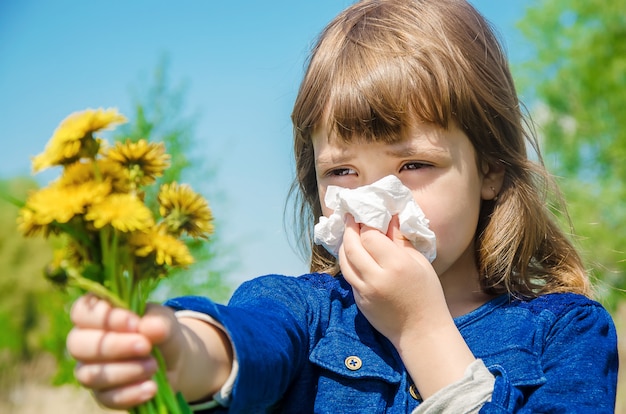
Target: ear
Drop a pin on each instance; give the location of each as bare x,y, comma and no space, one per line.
493,177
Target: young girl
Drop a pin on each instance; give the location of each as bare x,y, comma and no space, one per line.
499,322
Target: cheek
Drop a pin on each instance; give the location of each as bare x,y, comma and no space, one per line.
439,223
432,208
322,194
452,219
326,212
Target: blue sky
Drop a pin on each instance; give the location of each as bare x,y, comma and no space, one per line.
242,61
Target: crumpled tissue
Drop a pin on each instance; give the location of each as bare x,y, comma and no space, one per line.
374,205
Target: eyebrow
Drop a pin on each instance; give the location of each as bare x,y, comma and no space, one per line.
341,156
332,159
405,151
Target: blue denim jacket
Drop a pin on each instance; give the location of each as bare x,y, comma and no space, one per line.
297,340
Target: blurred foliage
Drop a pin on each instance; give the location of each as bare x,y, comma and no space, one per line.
159,116
34,314
578,76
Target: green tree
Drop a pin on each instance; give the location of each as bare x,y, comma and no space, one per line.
159,115
579,77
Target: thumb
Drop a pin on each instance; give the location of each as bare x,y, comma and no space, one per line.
394,233
161,327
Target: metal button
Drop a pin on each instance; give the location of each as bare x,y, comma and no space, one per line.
353,363
413,391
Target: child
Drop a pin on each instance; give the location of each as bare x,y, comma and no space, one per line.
498,322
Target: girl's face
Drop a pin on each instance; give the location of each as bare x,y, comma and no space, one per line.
439,167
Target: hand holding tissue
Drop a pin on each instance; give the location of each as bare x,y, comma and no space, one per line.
374,205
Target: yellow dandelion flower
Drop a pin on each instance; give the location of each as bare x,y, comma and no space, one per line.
100,170
144,160
183,209
167,249
58,204
74,138
29,224
124,212
56,271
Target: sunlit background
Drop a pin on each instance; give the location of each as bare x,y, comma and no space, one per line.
227,72
240,61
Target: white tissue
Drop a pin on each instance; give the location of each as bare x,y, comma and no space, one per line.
374,205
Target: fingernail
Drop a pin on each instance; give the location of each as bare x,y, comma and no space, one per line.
150,365
141,347
147,390
132,323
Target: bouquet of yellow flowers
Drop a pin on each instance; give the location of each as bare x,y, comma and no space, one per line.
112,244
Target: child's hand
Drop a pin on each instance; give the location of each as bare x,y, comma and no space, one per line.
113,345
400,294
394,285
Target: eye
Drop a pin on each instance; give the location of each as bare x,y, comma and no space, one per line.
414,165
338,172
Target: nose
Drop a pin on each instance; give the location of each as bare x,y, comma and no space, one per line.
372,177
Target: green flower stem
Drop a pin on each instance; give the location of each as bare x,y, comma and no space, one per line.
114,265
182,403
75,279
73,233
96,169
10,199
165,393
146,408
105,257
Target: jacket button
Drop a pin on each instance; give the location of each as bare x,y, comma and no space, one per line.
353,363
413,391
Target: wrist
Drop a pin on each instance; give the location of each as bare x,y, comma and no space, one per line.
207,350
435,355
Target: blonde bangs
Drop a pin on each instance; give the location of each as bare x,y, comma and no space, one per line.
375,84
377,100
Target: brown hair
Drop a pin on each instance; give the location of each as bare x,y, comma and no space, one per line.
383,64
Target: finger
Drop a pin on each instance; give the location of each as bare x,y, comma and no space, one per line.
379,247
88,311
163,329
394,233
88,345
158,323
352,244
354,259
348,272
126,397
387,251
114,374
